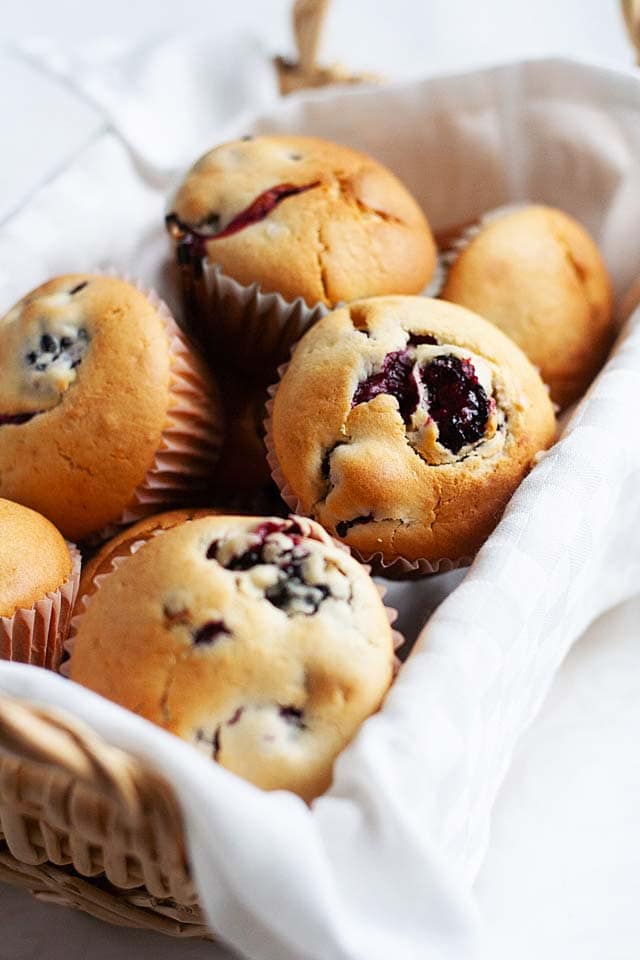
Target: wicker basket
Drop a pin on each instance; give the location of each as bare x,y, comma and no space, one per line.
82,823
85,825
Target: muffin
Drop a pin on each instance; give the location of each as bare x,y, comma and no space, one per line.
260,641
536,273
39,575
403,425
313,221
106,414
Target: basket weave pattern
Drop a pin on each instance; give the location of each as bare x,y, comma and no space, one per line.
84,824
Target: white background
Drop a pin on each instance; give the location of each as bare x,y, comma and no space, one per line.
561,878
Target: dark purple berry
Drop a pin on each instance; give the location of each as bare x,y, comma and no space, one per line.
343,526
293,715
191,241
457,401
17,418
210,632
48,344
396,378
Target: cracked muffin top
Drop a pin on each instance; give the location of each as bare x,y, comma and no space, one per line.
537,274
404,424
34,559
260,641
85,380
305,218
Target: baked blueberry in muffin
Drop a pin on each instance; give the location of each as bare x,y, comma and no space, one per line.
259,640
404,425
105,411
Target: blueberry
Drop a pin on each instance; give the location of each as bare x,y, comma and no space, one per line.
396,378
291,592
293,715
209,632
457,401
48,344
343,526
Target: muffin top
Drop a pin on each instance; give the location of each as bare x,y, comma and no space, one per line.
34,559
260,641
84,392
537,274
403,425
120,546
306,218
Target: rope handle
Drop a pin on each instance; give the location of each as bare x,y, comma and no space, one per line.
631,11
54,738
308,20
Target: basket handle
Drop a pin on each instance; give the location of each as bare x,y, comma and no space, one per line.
631,11
54,738
308,20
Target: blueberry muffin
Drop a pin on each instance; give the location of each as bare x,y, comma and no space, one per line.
39,575
404,424
536,273
260,641
300,217
105,411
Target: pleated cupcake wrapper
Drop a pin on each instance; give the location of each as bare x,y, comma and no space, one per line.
400,568
309,528
181,471
83,601
252,328
36,634
447,258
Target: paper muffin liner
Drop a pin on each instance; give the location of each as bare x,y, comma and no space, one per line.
399,568
244,324
37,634
84,600
182,468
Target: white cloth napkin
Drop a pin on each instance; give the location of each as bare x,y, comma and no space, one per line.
382,866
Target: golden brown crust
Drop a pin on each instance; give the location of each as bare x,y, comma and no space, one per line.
34,559
347,463
120,545
537,274
81,460
275,696
357,233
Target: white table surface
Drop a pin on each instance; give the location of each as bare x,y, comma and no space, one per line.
562,877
